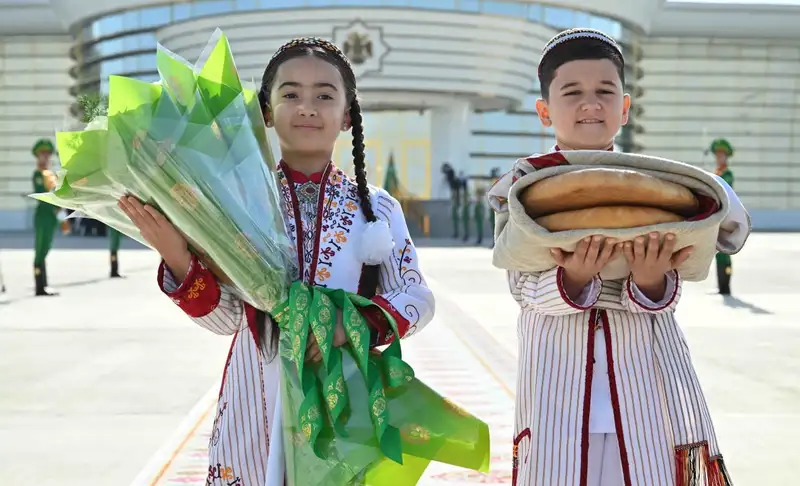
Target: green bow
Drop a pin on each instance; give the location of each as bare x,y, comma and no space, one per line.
313,309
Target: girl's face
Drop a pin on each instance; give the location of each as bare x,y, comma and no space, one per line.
587,105
308,106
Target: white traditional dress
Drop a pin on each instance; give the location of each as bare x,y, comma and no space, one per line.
325,221
609,363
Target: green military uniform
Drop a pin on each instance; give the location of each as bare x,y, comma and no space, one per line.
465,212
455,213
113,247
724,263
480,215
45,220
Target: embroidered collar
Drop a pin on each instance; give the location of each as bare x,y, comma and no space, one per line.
300,178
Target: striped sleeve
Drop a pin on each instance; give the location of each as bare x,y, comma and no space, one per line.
635,301
200,296
544,293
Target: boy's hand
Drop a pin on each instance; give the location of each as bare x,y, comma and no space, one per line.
580,267
650,260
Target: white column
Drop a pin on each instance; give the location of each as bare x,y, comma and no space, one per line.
450,137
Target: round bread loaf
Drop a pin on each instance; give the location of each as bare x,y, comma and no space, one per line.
588,188
607,217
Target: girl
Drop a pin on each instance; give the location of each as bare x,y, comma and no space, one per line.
348,235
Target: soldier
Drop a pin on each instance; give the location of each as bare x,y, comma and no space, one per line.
113,246
479,213
45,219
465,213
723,150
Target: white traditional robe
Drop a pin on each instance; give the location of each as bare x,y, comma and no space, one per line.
660,415
325,222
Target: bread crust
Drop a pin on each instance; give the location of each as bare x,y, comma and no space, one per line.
607,217
589,188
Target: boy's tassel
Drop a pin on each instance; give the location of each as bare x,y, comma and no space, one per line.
718,473
690,464
695,467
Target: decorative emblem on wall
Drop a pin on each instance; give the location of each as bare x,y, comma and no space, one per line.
363,45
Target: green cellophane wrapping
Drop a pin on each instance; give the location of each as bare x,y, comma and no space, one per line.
195,147
361,417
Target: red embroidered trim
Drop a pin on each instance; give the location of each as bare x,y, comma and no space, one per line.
612,381
402,323
553,159
199,292
563,292
526,433
587,399
629,288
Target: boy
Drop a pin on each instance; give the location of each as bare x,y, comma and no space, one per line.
723,150
606,394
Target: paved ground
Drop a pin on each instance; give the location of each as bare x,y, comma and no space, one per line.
119,394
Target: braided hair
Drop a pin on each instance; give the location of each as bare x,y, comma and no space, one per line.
329,52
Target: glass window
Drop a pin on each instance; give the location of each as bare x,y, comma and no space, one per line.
504,8
130,20
276,4
610,27
210,7
394,3
535,13
107,26
434,4
154,17
181,11
469,5
582,19
559,17
246,4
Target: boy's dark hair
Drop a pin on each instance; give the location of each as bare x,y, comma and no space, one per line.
329,52
577,45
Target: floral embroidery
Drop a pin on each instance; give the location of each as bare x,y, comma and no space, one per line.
340,237
197,286
351,206
323,274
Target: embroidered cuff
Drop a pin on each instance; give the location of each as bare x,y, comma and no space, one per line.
637,296
377,321
588,296
199,292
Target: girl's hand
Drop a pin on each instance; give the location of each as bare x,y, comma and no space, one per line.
650,261
160,234
580,267
313,353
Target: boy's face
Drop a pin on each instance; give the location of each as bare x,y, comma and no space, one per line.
587,105
722,157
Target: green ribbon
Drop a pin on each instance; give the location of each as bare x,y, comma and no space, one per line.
313,310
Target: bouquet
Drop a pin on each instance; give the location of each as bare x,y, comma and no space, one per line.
194,146
361,417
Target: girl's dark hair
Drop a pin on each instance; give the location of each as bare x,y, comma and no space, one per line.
322,49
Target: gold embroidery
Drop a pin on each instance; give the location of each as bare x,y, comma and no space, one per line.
184,195
351,206
197,286
323,274
416,434
307,431
379,406
333,399
324,315
340,237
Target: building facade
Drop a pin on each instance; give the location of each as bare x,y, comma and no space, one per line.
448,81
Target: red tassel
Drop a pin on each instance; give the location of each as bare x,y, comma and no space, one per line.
681,467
